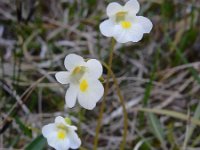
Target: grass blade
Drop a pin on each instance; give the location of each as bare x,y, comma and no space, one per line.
37,144
157,128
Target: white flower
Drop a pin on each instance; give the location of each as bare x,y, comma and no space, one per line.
83,79
61,135
123,24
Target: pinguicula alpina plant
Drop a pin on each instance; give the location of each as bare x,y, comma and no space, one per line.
61,134
123,23
82,76
83,79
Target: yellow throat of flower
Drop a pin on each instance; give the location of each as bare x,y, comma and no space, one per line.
121,16
126,24
78,70
84,85
61,134
78,73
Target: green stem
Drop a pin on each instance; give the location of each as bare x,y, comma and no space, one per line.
102,107
81,115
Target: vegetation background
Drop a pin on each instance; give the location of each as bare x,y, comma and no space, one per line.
161,73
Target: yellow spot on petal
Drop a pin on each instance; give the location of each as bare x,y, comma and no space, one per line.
126,24
61,134
83,85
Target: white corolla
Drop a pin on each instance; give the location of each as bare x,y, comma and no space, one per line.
83,79
123,23
61,134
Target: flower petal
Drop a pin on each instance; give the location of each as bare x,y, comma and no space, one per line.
71,95
53,141
71,127
63,77
48,129
106,28
95,68
86,102
123,36
73,60
145,23
62,144
59,120
132,6
74,140
134,34
49,132
113,8
89,98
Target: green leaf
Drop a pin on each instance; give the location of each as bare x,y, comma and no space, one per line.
157,128
27,131
37,144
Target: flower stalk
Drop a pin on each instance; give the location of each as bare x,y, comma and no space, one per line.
122,101
102,107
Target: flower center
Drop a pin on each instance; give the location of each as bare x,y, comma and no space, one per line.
84,85
121,16
78,73
61,134
126,24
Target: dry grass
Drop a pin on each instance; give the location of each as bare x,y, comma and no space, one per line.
161,71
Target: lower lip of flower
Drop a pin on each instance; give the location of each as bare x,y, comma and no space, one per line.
126,24
84,85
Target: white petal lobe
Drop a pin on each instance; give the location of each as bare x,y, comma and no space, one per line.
53,142
145,23
136,33
48,129
63,77
64,144
132,6
122,36
71,96
86,102
113,8
106,28
95,68
94,93
59,120
75,141
72,61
